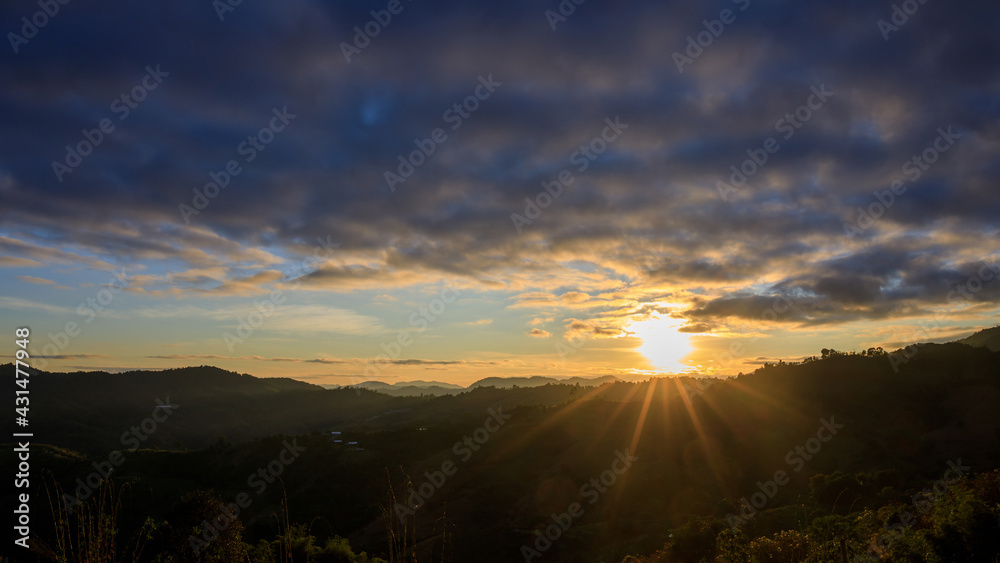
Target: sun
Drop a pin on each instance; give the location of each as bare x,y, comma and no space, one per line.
662,344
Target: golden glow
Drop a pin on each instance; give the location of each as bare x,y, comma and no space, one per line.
662,344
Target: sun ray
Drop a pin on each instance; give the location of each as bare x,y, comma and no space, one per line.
711,456
619,491
622,404
642,414
550,421
765,398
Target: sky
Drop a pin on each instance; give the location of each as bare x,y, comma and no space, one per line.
410,190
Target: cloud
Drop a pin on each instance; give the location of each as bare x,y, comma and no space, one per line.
539,333
24,304
425,362
41,281
418,362
602,328
574,297
71,356
696,328
286,317
29,252
322,318
642,224
16,262
190,357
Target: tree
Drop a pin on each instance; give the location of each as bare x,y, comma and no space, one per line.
203,529
877,352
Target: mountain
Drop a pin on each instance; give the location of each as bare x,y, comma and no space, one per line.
988,338
89,411
538,380
406,388
437,388
421,383
417,391
380,385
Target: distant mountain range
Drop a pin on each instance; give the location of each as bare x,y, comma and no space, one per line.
437,388
987,338
405,388
538,380
217,404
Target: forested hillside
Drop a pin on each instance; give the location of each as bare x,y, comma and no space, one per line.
812,460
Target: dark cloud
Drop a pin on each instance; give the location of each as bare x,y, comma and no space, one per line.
324,175
696,328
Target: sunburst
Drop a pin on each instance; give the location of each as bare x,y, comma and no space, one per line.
662,344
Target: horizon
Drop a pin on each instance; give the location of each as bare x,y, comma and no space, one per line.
339,193
901,354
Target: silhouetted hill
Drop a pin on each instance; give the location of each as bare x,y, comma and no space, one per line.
988,338
421,388
422,383
538,380
414,391
409,388
90,411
